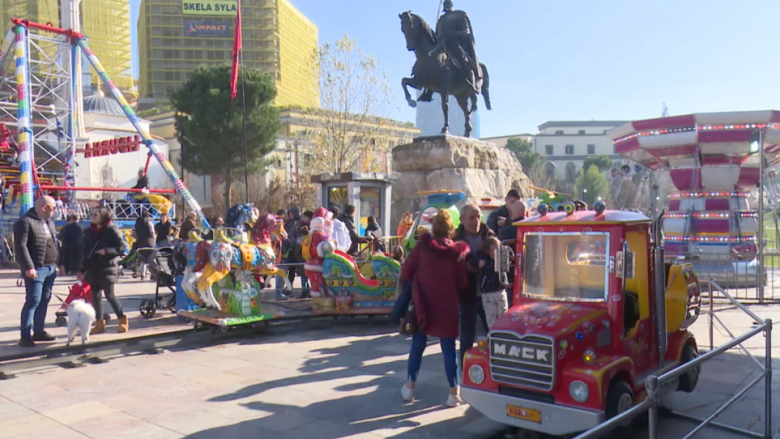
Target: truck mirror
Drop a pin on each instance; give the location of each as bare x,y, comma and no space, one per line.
504,256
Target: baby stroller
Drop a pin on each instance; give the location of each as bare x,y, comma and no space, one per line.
79,290
163,269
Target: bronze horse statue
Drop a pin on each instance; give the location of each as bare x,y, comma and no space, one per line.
434,71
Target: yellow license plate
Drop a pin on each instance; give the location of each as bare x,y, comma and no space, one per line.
523,413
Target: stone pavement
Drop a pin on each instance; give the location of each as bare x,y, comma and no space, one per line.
316,379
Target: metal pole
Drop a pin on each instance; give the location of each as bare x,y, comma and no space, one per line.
712,314
760,218
242,68
652,388
768,379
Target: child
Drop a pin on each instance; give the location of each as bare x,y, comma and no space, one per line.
493,295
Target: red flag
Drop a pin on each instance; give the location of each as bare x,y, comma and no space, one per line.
236,53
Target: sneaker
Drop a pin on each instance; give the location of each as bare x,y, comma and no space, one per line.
43,336
454,400
407,393
26,343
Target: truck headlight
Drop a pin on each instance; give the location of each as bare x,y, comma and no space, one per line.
579,391
476,374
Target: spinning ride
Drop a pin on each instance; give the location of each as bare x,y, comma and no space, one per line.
709,159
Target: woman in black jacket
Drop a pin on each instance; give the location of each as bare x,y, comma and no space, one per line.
103,246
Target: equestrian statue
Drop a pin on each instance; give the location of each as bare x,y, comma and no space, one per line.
447,62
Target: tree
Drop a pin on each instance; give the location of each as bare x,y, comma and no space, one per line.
602,162
349,131
523,150
590,184
210,124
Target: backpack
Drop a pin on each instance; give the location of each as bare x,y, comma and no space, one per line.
306,247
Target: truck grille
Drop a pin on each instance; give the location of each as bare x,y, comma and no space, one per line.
522,361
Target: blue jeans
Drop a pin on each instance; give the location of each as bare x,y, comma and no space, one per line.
419,342
37,299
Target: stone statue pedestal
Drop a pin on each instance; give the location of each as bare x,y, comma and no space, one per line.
479,169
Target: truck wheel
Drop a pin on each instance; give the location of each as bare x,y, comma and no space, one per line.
689,379
619,398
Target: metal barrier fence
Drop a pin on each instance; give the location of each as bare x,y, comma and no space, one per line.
390,242
654,382
743,276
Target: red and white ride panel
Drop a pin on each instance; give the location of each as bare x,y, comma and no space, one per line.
708,159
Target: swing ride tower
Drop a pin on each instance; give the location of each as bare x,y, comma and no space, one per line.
40,102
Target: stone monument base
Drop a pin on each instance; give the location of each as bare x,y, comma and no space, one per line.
479,169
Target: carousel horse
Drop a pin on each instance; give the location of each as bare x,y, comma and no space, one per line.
210,261
242,217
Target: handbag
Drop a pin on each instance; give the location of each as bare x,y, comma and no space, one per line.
408,324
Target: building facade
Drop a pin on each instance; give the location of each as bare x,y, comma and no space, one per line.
565,145
104,119
106,23
177,36
501,141
289,164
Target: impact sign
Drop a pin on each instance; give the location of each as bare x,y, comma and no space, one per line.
207,28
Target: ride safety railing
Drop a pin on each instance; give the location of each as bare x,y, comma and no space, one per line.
654,383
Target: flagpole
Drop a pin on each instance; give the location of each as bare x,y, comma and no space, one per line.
243,104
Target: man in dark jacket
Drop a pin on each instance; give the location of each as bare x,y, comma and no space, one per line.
498,217
72,240
37,253
292,224
348,218
143,180
471,231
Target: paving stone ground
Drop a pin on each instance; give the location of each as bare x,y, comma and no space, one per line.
316,379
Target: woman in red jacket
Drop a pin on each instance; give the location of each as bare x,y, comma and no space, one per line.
437,271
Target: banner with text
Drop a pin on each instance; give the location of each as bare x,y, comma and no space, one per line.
207,28
209,7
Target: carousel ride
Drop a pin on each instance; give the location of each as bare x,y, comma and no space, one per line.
714,162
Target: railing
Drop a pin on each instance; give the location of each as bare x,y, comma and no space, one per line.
654,382
390,242
741,273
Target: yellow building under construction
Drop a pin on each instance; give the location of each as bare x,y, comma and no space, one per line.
106,23
177,36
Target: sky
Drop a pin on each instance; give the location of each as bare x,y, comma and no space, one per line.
582,60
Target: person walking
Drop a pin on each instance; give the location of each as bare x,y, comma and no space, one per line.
162,230
471,231
72,239
489,288
435,299
37,254
102,250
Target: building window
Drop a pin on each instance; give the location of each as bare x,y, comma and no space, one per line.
548,149
591,149
581,132
559,133
569,149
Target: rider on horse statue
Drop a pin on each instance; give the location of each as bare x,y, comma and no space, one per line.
455,35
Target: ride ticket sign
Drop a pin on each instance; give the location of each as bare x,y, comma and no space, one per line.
209,7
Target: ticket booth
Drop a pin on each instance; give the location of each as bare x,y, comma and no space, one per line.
370,193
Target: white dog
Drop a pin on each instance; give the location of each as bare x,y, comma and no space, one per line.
81,315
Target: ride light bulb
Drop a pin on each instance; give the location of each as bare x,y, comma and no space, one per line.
579,391
589,357
476,374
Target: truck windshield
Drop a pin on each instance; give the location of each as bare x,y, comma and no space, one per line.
566,266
